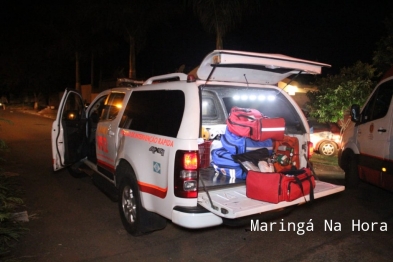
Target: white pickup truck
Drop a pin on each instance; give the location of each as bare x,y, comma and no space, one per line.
142,142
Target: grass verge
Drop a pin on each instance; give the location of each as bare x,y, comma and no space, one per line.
324,160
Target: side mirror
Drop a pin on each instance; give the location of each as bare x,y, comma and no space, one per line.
72,115
355,113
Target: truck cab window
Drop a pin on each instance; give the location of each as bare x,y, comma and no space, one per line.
208,109
113,104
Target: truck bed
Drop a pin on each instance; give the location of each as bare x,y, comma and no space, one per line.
212,179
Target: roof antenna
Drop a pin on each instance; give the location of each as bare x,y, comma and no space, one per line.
245,77
291,81
211,73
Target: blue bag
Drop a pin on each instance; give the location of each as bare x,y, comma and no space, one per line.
223,162
239,145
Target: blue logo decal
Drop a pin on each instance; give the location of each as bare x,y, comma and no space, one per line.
157,167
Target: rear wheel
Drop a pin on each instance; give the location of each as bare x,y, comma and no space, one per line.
130,204
135,218
327,148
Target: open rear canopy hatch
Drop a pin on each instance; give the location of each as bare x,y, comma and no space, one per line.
253,68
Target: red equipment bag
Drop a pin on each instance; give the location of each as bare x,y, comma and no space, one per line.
286,154
277,187
251,123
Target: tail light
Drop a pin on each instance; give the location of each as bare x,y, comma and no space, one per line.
186,174
310,149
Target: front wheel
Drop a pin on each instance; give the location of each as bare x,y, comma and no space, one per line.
351,170
76,171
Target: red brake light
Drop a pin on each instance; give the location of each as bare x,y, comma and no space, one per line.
310,150
190,160
186,174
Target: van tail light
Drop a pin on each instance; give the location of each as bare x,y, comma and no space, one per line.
186,174
310,150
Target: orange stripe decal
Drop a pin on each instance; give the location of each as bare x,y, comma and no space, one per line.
152,189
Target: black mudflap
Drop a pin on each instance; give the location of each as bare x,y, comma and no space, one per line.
152,221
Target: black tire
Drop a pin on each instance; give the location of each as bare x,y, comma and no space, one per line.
75,170
130,203
351,169
327,148
135,218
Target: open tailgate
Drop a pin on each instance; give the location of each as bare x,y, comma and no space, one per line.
234,203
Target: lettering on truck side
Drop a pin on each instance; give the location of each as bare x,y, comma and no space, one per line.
148,138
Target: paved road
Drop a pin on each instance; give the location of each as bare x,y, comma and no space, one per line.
71,220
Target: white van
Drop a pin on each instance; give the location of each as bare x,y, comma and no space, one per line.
143,143
367,148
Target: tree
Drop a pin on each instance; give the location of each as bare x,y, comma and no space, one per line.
28,64
336,93
221,16
133,19
383,56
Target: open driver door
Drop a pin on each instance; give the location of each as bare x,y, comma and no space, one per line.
68,131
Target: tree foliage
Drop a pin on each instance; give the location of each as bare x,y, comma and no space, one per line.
221,16
133,20
336,93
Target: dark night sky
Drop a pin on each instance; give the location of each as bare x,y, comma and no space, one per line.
334,32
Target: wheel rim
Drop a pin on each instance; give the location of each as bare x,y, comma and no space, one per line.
328,149
129,205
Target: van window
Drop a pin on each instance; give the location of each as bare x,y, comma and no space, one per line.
157,112
379,103
113,104
97,108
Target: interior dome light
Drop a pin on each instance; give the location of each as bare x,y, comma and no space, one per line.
271,98
236,97
244,97
253,97
261,98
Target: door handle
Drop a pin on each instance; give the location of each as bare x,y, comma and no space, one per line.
382,130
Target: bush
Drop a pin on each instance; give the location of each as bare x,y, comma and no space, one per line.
10,230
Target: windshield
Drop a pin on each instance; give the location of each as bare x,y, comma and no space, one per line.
266,100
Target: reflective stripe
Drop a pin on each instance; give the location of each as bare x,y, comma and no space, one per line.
271,129
153,189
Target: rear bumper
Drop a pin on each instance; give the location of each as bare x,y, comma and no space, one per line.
194,217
